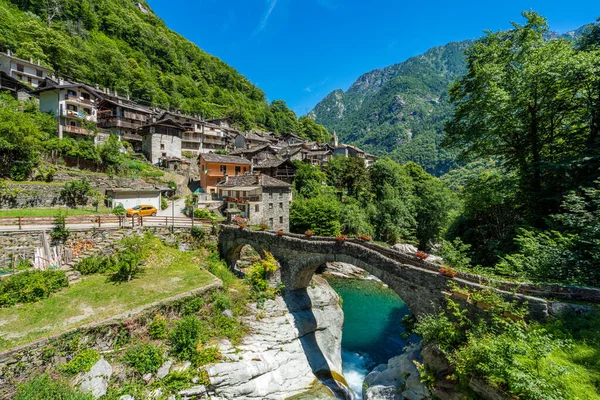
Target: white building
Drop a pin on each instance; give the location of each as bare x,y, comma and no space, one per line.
72,104
129,198
29,72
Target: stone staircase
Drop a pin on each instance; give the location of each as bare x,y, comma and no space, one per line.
102,246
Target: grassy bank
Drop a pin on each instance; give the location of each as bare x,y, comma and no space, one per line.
167,272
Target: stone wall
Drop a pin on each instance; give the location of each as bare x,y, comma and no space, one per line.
276,205
32,195
27,360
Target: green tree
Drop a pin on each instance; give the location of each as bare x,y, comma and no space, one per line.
517,102
310,130
320,214
309,180
76,192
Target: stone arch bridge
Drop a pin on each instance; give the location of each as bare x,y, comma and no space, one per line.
418,283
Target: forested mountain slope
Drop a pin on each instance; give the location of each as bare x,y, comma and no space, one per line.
123,45
401,110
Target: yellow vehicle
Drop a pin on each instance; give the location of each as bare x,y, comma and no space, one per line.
143,210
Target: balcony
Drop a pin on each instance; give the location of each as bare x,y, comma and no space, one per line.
191,128
132,137
118,123
242,200
193,139
77,130
214,141
77,99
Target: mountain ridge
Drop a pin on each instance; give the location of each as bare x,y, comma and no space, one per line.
400,110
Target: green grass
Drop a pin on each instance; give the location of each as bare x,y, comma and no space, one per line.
52,211
167,272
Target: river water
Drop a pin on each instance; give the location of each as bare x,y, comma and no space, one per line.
372,327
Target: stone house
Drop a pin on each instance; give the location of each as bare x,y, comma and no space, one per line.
260,198
249,140
161,140
216,168
123,117
284,170
347,150
256,154
15,87
72,104
26,71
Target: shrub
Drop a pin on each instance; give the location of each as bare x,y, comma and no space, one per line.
207,355
164,204
119,210
365,238
264,227
157,328
184,338
280,233
81,362
75,193
341,238
144,358
192,306
309,233
221,301
60,233
31,286
257,278
455,253
198,233
422,255
44,387
203,213
93,265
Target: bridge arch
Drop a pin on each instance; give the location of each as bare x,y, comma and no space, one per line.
421,289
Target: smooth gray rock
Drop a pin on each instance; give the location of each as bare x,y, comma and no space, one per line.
182,367
344,270
405,248
228,313
96,380
147,377
127,397
164,369
198,390
398,379
273,361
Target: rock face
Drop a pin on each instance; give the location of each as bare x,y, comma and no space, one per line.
96,380
292,342
398,379
344,270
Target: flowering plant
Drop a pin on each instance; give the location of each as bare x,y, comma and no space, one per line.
448,271
263,227
365,238
280,233
341,238
309,233
422,255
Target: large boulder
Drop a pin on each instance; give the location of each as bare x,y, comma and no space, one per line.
405,248
96,380
398,379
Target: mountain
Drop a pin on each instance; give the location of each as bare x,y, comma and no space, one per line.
400,110
123,45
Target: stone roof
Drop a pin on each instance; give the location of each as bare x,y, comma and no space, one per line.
251,150
226,159
253,180
255,137
269,163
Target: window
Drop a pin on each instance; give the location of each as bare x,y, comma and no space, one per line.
86,96
271,222
164,154
270,206
39,73
270,195
281,206
20,68
162,146
224,169
29,80
20,77
256,208
281,220
238,169
87,111
72,93
71,107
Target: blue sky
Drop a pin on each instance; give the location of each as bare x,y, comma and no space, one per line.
300,50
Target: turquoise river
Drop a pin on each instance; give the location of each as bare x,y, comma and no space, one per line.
372,327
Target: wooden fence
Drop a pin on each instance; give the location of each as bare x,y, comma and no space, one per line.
102,220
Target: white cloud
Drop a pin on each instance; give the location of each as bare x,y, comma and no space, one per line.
263,21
